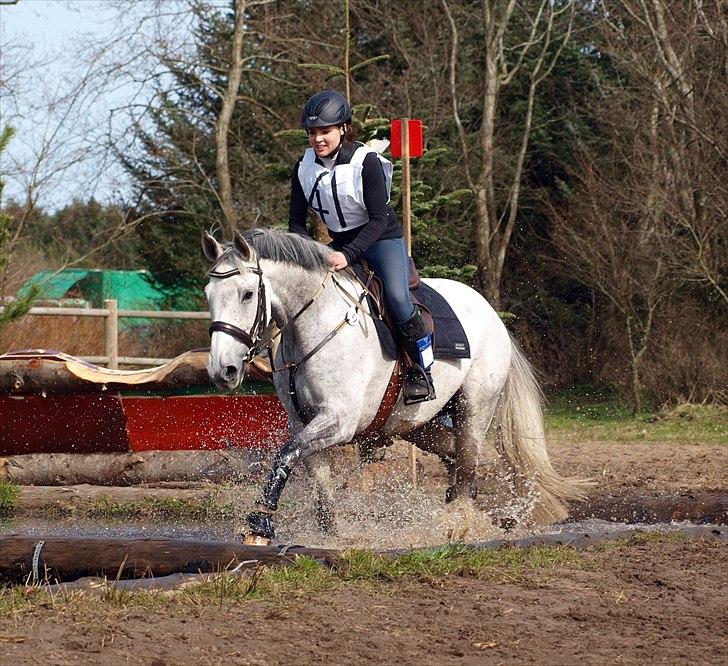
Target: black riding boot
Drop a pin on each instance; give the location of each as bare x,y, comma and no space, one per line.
417,339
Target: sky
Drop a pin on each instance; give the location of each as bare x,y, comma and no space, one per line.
50,23
34,98
46,49
49,31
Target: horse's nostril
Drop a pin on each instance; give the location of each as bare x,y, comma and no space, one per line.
229,372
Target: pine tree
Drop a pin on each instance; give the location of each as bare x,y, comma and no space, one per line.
172,159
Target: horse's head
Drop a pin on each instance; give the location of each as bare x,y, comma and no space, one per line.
238,307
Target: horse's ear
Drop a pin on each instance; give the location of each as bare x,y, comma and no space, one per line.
211,247
241,245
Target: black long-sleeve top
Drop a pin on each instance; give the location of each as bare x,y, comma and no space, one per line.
382,222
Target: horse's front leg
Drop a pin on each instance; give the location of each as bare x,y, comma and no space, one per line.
324,430
318,465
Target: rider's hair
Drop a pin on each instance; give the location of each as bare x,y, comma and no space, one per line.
349,132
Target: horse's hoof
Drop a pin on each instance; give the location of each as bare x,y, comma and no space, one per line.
261,525
256,540
451,494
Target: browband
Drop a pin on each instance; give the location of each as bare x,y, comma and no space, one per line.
233,271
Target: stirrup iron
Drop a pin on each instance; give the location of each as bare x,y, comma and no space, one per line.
418,385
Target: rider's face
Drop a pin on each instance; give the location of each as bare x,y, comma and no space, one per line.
324,140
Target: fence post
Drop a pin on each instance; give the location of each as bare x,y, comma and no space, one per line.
111,337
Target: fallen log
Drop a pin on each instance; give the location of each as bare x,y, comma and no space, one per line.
46,502
702,508
58,559
175,581
173,563
127,469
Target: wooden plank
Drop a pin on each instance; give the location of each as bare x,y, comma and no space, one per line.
111,334
104,312
205,422
105,423
164,314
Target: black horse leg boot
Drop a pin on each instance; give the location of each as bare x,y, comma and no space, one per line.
417,339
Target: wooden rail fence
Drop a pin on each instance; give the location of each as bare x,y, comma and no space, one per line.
112,314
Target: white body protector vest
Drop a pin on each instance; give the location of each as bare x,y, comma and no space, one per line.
337,195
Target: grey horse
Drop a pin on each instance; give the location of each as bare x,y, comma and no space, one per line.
331,374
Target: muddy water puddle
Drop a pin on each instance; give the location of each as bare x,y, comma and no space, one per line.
595,528
372,520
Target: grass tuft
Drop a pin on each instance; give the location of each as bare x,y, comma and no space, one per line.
305,577
8,497
450,560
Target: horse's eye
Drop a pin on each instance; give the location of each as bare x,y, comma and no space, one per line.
247,296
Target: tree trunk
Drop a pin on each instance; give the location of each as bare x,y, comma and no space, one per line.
127,469
630,509
222,127
636,385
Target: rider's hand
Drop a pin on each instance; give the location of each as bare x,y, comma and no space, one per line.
338,260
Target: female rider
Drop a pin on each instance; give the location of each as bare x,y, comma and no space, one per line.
347,185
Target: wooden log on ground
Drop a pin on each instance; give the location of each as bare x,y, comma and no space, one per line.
124,469
175,581
48,501
703,508
41,372
63,559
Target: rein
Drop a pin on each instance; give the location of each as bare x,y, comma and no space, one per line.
292,368
254,338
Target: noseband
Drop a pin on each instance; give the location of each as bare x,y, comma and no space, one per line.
253,338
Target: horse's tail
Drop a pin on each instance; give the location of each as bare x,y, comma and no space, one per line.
521,443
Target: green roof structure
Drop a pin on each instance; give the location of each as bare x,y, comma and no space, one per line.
133,290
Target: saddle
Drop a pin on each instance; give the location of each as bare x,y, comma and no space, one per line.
449,339
375,286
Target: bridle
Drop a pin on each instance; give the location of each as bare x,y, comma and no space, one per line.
254,339
251,339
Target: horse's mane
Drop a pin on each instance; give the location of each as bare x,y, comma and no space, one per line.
281,246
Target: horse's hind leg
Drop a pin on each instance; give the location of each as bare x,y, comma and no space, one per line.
319,466
435,437
473,414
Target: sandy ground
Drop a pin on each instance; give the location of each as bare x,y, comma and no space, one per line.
655,602
650,467
639,601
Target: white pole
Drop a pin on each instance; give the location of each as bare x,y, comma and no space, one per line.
407,226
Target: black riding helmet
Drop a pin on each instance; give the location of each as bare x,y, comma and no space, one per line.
325,108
